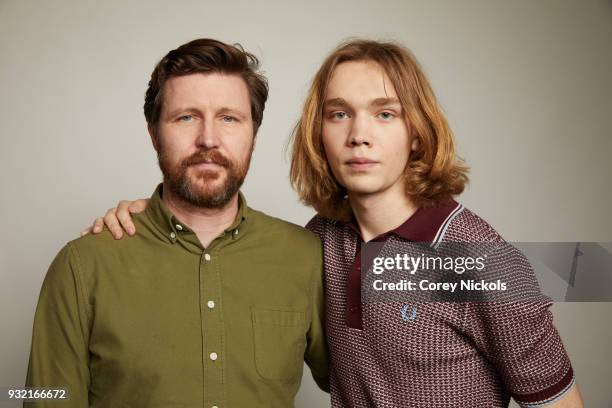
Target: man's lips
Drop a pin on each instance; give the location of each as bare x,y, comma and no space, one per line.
359,163
207,165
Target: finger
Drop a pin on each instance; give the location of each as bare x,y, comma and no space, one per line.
98,226
112,223
124,217
138,206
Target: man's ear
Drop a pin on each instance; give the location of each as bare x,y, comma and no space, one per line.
412,134
153,136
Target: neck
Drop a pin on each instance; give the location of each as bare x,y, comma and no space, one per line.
206,223
381,212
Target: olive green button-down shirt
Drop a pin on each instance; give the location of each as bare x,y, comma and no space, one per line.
156,320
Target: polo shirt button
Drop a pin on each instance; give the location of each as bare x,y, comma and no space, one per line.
235,232
172,235
210,304
207,257
213,356
179,227
214,406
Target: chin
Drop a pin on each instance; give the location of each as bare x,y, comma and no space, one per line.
208,192
205,181
363,188
361,183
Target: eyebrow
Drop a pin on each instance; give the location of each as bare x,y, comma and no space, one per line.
184,109
378,102
230,111
222,111
385,102
335,102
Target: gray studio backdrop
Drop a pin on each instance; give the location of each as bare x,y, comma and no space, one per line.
526,86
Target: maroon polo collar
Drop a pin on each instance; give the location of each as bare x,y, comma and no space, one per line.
424,225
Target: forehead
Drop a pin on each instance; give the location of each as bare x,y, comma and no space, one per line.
207,90
357,81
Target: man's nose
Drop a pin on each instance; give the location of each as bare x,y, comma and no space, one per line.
360,132
207,135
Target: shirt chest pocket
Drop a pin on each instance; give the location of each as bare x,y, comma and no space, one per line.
280,339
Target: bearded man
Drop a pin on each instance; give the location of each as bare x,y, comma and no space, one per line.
213,303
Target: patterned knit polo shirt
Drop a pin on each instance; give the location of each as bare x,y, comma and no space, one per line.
452,354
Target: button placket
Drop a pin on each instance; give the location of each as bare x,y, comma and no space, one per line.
212,326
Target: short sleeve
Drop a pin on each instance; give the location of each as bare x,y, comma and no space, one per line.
518,337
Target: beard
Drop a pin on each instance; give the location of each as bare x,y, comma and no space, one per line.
202,188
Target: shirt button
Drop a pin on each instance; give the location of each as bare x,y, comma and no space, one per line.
213,356
214,406
172,235
210,304
207,257
179,227
236,232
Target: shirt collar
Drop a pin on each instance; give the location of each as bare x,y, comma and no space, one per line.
170,226
424,225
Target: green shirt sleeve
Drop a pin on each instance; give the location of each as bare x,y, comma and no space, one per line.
59,353
316,351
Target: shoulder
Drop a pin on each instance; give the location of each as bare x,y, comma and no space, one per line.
62,267
290,241
273,227
104,244
467,226
94,245
65,273
95,255
325,228
504,260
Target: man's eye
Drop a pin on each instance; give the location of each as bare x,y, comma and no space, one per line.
186,118
339,115
229,119
386,115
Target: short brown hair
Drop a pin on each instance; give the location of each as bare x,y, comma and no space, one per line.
433,174
206,55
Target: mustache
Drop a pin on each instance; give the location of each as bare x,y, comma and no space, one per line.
207,156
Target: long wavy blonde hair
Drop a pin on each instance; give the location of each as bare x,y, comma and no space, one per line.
434,173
